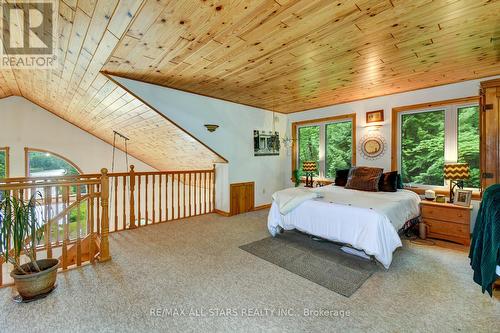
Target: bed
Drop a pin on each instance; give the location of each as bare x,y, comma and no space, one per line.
367,221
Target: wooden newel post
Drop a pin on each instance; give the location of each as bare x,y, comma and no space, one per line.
132,200
104,255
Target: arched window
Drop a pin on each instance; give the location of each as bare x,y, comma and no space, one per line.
43,163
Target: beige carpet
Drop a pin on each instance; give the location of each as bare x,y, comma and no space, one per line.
196,265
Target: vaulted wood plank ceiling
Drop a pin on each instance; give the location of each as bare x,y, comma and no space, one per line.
284,55
290,55
75,90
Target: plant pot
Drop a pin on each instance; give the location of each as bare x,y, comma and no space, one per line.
30,286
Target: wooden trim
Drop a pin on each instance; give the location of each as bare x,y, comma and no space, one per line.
397,110
465,100
108,76
266,206
7,160
27,150
490,83
349,116
243,183
221,212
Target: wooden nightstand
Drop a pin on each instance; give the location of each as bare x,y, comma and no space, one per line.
447,221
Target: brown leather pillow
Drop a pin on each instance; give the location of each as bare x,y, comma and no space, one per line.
364,179
388,182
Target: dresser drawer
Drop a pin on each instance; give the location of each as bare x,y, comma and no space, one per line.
446,214
447,228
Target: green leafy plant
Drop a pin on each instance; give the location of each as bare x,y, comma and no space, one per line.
296,176
21,225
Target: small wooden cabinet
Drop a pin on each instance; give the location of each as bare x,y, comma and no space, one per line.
242,197
447,221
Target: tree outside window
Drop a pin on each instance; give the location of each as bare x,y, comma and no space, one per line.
422,147
309,146
468,142
338,147
3,164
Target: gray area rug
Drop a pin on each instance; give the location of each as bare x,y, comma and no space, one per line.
321,262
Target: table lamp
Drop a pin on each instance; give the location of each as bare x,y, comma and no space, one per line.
309,167
456,173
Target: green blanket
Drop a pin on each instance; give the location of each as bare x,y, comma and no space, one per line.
485,245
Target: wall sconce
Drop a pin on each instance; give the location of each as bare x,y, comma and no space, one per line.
211,127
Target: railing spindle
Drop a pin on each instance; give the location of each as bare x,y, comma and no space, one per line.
78,226
184,194
166,197
194,195
132,199
154,196
139,216
172,203
115,184
91,232
159,198
124,202
104,255
147,191
65,229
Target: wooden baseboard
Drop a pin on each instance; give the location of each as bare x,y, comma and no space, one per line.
221,212
266,206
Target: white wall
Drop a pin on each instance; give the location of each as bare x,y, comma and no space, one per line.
24,124
233,139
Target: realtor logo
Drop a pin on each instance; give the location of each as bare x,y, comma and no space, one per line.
27,34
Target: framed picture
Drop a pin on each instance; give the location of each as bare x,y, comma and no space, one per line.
266,143
463,198
374,116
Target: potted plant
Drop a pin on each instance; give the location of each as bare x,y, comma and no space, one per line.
21,225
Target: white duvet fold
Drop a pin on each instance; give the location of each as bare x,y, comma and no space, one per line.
290,198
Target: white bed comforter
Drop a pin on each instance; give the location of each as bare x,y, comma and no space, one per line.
365,220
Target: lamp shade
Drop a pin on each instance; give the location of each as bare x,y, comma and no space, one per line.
456,171
309,166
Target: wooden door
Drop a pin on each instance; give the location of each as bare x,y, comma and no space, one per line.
490,132
242,197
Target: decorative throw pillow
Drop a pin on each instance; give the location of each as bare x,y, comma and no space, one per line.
388,182
400,182
364,178
341,177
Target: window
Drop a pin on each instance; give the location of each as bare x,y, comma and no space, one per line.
468,142
422,147
328,141
338,147
41,163
434,134
46,164
308,145
4,162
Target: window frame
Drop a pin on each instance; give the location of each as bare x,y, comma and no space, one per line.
322,122
450,108
28,150
7,160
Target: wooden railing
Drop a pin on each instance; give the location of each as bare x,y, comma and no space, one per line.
142,198
79,211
